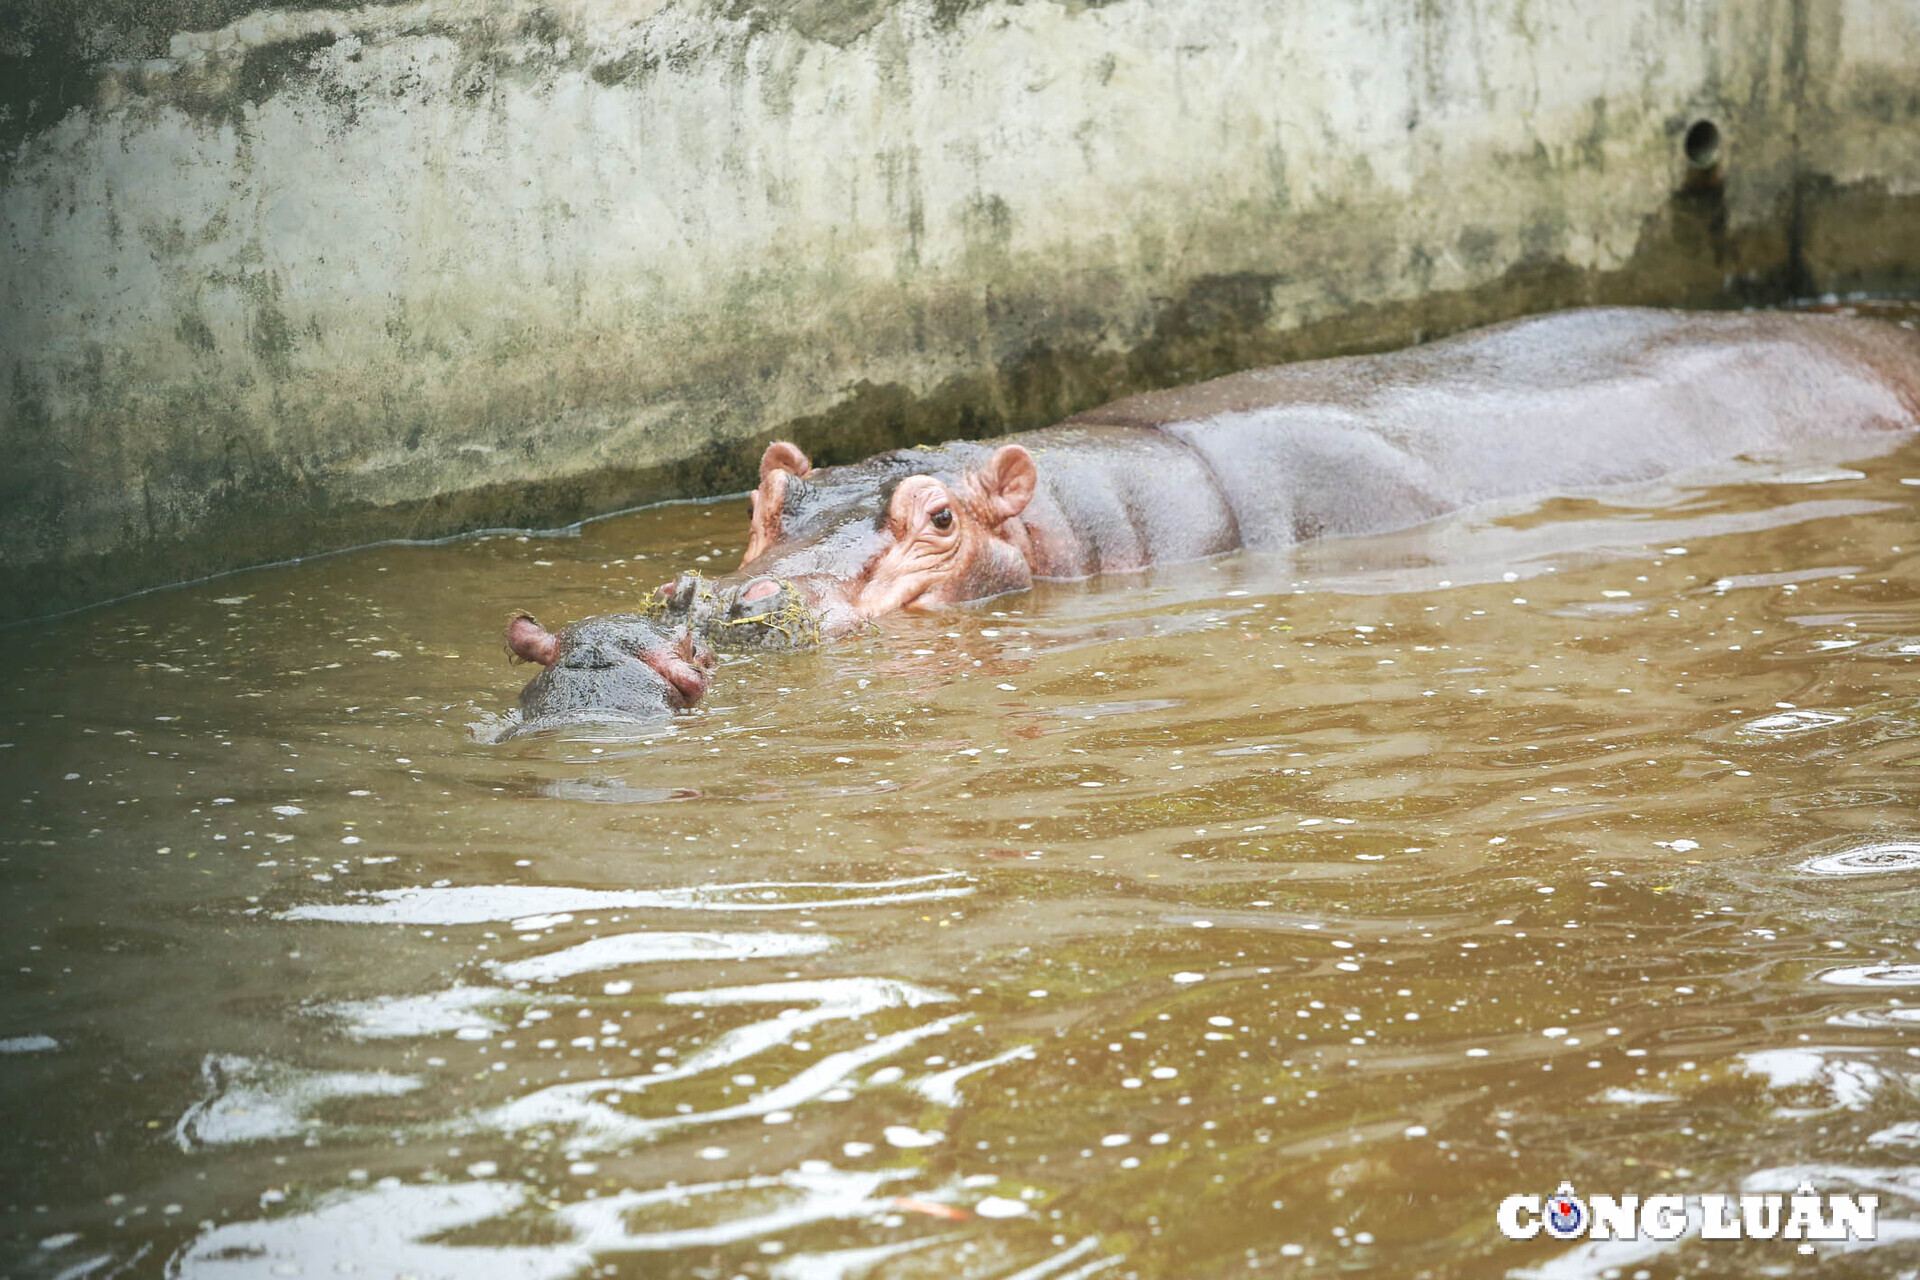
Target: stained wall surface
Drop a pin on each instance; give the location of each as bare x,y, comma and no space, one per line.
280,281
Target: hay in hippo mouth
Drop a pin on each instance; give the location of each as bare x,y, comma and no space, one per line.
710,609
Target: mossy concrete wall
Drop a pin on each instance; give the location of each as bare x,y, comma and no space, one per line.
285,280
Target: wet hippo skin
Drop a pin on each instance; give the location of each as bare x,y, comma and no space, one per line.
1551,404
613,668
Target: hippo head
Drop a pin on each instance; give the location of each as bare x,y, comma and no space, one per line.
614,667
833,547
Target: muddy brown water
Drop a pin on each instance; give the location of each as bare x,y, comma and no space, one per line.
1276,914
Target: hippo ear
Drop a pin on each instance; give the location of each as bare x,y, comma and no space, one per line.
1008,480
783,456
528,641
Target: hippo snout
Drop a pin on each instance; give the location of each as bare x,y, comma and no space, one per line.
764,613
737,615
759,598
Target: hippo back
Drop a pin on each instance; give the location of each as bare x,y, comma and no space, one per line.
1558,403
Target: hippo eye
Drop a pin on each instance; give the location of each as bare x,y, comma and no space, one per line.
942,519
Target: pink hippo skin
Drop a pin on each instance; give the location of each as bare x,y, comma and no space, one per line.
1556,403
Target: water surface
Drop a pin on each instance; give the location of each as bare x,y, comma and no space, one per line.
1276,914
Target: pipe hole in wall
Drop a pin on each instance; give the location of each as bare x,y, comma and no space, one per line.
1702,144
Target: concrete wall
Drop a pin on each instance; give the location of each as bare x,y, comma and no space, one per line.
286,280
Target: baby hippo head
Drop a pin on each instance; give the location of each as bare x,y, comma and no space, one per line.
615,667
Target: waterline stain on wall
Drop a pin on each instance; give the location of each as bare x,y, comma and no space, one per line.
286,280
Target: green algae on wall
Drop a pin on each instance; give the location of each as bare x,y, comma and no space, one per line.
286,280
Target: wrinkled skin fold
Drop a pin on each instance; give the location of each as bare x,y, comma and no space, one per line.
1552,404
618,668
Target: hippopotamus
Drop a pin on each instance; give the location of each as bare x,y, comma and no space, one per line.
613,668
1565,402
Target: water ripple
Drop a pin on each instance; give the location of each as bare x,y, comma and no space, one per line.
586,1107
1902,1017
487,903
1821,1077
1873,975
657,948
247,1101
398,1017
1866,860
390,1230
1788,722
591,1107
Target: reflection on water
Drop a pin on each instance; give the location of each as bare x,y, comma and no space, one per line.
1274,914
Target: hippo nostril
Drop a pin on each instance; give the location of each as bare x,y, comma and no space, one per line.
758,598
